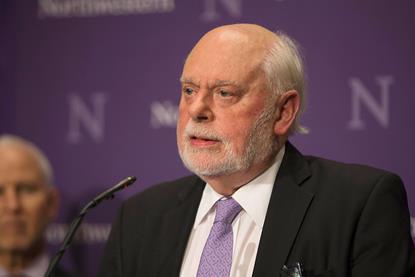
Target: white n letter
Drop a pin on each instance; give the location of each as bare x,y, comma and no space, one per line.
234,8
163,114
92,120
361,95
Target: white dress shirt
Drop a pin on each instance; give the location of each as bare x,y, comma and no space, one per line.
247,227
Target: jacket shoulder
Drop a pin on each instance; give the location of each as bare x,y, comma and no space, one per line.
350,177
319,164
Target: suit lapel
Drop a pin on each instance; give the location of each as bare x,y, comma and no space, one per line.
176,226
287,208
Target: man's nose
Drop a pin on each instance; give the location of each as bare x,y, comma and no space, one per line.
200,109
11,201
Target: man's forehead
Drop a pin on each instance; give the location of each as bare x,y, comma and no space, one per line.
228,59
214,74
17,161
15,154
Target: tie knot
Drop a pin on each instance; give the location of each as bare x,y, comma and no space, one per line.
226,210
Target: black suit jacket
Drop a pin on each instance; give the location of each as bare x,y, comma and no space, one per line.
59,272
336,219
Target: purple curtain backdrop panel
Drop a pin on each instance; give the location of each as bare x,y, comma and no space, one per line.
95,84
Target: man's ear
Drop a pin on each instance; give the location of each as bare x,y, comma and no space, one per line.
288,106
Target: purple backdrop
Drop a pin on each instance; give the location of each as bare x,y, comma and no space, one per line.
95,85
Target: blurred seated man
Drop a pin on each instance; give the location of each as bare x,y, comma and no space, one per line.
28,203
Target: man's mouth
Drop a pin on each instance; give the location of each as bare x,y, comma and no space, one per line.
202,141
11,227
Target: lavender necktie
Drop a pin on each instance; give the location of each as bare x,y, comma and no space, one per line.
216,257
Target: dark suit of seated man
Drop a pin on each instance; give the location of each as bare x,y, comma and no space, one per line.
28,203
291,215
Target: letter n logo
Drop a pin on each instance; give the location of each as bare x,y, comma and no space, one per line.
210,13
362,97
92,119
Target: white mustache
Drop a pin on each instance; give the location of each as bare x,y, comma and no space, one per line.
198,131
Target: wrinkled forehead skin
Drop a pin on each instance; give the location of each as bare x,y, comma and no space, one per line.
237,51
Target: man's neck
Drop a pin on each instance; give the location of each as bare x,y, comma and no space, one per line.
17,261
227,184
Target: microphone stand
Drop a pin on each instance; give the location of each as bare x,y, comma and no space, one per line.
108,194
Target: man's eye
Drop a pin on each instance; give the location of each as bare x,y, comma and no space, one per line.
27,188
224,93
187,91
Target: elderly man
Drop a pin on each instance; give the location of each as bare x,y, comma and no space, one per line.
28,203
256,206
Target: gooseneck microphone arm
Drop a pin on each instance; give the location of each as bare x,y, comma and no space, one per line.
108,194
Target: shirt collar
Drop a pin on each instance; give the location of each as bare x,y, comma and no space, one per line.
37,268
253,197
209,198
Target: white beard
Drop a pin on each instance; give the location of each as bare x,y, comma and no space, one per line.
261,143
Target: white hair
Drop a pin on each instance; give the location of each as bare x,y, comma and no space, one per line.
284,69
40,157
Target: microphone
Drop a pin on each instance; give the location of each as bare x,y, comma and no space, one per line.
108,194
